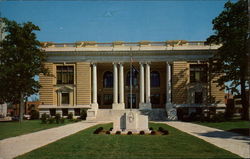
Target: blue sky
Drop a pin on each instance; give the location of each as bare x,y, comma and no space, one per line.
117,20
107,21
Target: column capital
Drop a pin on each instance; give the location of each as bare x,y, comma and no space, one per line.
148,62
169,62
142,62
115,63
93,63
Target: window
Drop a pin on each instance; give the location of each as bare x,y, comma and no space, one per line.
134,79
65,98
155,79
65,74
107,99
155,99
108,80
77,111
198,98
65,112
198,73
52,112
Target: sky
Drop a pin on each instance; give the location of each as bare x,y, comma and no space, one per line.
117,20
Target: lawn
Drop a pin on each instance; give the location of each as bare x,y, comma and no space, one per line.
85,144
237,126
11,129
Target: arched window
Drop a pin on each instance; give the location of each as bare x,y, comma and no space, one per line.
134,79
155,79
108,79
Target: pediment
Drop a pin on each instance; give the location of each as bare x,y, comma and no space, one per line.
64,89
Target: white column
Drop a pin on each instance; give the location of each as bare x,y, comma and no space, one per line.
115,84
171,110
168,87
94,84
147,83
142,100
121,85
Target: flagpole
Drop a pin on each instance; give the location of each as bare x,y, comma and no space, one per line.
131,74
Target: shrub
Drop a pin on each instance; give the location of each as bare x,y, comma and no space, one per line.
70,116
98,130
83,114
160,129
34,115
75,120
142,133
110,129
153,132
58,117
51,120
118,132
151,128
129,133
62,120
165,132
220,117
44,118
107,132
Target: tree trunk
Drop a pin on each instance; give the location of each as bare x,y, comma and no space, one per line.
21,106
245,114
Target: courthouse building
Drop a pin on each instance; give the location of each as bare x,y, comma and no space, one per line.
96,76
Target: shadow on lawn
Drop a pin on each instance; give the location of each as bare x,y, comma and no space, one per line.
226,135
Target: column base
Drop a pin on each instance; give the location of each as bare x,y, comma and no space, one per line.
171,112
92,113
143,106
118,106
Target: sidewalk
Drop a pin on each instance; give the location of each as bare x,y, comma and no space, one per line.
232,142
15,146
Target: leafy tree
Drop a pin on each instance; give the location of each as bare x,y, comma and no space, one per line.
21,58
231,30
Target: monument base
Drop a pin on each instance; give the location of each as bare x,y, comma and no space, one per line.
131,120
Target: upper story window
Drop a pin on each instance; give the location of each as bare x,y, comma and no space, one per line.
65,74
155,79
108,80
198,73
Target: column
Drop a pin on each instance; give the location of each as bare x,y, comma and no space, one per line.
94,84
121,85
115,85
142,100
171,110
168,82
147,83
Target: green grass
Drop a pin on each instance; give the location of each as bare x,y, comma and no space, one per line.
86,145
227,125
11,129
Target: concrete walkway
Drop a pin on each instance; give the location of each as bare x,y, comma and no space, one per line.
232,142
15,146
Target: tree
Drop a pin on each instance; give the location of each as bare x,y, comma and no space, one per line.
21,58
231,30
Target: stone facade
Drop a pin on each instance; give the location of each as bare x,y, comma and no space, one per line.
96,77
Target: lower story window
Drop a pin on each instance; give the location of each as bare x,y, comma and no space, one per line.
65,112
52,112
65,98
77,111
198,98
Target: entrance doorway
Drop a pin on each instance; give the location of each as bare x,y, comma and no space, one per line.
129,101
